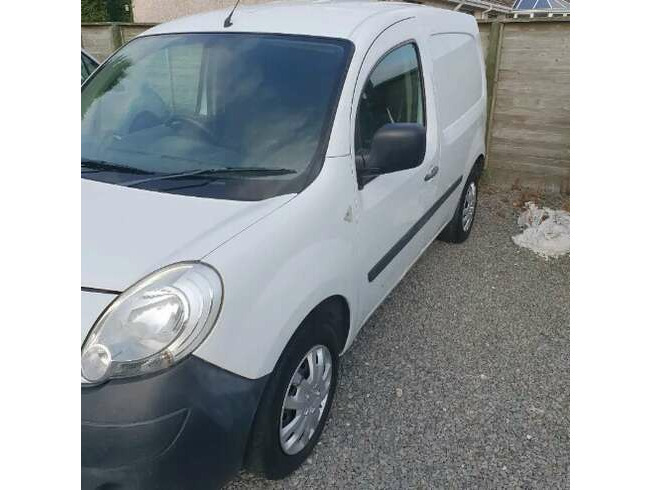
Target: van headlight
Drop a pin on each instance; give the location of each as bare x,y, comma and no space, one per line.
155,323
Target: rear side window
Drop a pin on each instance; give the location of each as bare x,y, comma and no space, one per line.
392,94
457,74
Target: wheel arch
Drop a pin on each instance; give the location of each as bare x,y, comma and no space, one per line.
256,453
338,306
479,165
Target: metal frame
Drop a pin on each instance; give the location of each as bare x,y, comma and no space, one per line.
486,6
548,12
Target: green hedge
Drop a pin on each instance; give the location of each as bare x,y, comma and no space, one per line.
106,11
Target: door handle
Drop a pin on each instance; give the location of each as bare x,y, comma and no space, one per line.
432,173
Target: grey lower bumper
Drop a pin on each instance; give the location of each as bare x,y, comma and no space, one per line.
185,428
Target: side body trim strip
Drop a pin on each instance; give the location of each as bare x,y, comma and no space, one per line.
397,248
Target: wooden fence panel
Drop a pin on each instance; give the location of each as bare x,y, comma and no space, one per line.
530,133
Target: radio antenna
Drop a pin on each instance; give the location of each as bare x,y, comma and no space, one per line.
228,21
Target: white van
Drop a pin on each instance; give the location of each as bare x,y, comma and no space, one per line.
252,189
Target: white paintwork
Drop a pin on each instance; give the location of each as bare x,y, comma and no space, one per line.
458,74
388,207
281,257
92,304
127,233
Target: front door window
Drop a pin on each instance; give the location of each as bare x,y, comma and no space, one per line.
392,94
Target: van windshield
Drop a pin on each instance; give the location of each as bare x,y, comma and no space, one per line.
236,116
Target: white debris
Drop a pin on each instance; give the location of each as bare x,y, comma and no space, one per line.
546,231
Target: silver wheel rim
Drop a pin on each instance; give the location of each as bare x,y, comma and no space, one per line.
469,206
305,399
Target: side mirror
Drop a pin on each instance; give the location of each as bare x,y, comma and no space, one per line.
394,147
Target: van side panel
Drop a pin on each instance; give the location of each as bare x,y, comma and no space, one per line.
459,80
457,72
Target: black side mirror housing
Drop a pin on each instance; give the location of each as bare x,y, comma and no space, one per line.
395,147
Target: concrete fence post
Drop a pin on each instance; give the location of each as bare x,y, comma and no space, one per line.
492,61
116,37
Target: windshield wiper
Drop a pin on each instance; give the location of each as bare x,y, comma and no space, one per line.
101,165
217,173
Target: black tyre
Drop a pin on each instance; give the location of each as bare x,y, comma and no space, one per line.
461,224
296,402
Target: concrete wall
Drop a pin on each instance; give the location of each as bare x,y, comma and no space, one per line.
164,10
527,64
102,38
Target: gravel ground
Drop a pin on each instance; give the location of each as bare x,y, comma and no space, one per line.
460,379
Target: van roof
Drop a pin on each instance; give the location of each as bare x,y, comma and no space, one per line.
326,18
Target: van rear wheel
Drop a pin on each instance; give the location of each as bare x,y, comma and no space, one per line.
460,226
296,402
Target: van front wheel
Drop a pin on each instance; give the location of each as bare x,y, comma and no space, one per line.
296,402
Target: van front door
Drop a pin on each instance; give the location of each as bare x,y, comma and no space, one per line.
389,90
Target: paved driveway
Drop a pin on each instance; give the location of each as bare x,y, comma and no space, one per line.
460,379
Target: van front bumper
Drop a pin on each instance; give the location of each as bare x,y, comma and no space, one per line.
184,428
